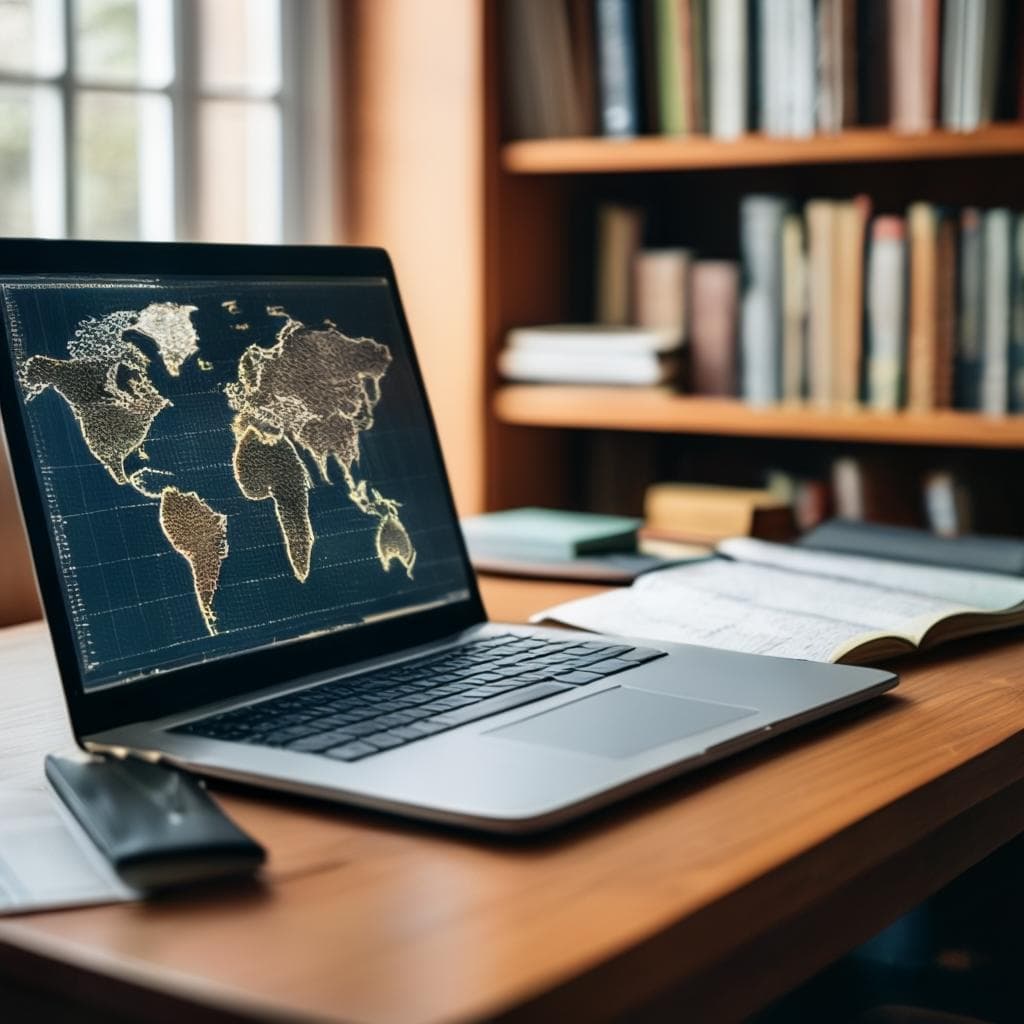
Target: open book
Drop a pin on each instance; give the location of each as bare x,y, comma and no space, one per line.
790,602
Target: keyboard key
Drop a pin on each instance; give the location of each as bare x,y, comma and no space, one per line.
384,740
576,678
641,654
350,751
610,666
507,701
314,744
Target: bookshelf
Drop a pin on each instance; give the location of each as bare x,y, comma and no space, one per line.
659,153
539,198
659,410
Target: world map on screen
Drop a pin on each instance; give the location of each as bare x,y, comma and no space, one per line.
227,467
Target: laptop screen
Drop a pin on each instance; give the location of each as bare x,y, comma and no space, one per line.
228,464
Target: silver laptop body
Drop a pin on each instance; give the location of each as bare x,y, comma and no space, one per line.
236,503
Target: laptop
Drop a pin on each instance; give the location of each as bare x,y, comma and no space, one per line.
251,565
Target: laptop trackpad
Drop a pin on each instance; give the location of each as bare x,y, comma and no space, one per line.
621,722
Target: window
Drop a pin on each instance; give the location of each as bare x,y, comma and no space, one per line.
158,119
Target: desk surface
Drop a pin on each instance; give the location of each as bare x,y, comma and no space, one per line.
716,892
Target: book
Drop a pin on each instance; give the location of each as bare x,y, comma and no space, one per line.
967,355
851,218
885,314
584,62
761,315
1001,555
727,44
971,45
707,513
821,280
914,63
673,107
544,533
559,366
661,282
619,233
593,340
785,601
947,504
1017,322
541,90
874,489
785,94
714,302
794,309
836,34
922,331
618,74
997,226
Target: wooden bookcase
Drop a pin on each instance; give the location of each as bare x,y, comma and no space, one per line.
539,202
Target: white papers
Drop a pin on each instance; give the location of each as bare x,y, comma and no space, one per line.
46,861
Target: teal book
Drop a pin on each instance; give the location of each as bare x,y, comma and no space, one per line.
547,534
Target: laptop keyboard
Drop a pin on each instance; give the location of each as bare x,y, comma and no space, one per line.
358,716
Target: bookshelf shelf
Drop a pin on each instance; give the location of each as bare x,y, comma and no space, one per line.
593,155
657,410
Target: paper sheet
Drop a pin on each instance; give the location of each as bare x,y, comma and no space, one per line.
46,861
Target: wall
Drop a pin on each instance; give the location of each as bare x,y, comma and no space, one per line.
413,182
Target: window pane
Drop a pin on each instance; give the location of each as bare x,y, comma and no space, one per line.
31,37
31,161
239,171
240,46
124,41
123,166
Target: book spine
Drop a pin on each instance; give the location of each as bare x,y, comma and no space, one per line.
921,334
619,230
661,287
671,120
727,52
996,230
820,280
761,220
1017,341
885,313
794,308
714,296
967,369
617,68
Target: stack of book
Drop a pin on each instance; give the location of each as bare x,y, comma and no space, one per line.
781,67
922,311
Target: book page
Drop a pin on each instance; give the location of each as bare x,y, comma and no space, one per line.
754,609
961,588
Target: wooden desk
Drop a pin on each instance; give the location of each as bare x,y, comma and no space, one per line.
715,893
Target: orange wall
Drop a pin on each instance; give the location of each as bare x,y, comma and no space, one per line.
413,182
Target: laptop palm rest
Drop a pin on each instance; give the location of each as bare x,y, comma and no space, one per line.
621,722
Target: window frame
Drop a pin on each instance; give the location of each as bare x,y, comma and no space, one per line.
307,170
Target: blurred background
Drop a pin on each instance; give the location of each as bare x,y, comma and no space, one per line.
268,121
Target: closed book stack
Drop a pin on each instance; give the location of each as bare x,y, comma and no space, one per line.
591,354
704,513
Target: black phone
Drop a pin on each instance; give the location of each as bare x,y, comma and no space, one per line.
157,826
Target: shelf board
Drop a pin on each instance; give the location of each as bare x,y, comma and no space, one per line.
596,155
659,410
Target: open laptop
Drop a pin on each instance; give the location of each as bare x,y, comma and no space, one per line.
252,568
